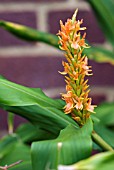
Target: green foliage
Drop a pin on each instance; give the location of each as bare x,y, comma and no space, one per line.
29,133
6,145
30,96
68,148
104,127
33,105
104,11
13,150
48,119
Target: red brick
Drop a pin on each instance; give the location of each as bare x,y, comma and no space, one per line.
94,33
102,74
24,18
3,119
33,72
98,98
43,71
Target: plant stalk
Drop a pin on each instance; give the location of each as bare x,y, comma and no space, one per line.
10,121
101,142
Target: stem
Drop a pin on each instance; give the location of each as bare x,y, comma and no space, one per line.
101,142
10,121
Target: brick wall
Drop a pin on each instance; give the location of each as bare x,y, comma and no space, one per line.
36,64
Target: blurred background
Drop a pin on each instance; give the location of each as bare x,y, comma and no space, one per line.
37,64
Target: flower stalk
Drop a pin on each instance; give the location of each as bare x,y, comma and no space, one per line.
78,104
101,142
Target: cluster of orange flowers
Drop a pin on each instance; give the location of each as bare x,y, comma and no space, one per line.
78,104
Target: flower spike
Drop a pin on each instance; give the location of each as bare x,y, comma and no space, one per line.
78,104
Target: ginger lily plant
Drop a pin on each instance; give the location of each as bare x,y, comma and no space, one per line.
61,133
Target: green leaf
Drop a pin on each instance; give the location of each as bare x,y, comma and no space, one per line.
29,133
100,55
71,146
105,113
48,119
102,161
19,152
29,34
7,144
44,112
17,94
104,11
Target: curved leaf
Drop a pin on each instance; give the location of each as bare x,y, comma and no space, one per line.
29,34
42,111
14,95
48,119
71,146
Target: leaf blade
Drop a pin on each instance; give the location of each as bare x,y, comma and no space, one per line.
29,34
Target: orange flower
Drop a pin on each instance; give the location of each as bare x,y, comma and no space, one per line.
66,68
75,45
90,107
78,105
69,106
69,102
85,66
